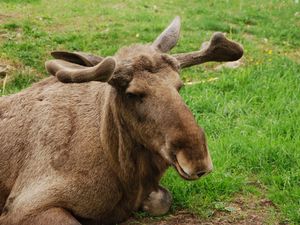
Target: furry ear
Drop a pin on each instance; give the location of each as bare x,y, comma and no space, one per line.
81,58
169,37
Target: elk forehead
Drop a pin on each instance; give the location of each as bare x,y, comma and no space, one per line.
147,67
145,57
155,84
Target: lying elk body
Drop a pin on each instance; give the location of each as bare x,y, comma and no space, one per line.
90,144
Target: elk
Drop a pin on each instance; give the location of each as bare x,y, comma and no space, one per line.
90,144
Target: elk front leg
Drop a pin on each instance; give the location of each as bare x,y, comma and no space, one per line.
52,216
158,202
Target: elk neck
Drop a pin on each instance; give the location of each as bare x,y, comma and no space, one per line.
132,162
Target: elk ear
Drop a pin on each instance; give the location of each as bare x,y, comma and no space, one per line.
169,37
80,58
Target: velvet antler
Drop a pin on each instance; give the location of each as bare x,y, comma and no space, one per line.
219,49
68,72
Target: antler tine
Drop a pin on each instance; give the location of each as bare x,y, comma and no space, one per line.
81,58
67,72
219,49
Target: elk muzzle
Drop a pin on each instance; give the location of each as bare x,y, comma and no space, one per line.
192,169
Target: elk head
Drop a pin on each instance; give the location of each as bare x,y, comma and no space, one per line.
145,84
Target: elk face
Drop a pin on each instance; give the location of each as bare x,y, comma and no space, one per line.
155,114
146,83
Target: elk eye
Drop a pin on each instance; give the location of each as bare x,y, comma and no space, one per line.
135,96
131,95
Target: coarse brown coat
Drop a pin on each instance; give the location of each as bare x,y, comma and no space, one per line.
92,152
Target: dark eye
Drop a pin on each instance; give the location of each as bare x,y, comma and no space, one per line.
135,96
130,95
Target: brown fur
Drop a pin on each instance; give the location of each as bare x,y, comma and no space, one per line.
96,150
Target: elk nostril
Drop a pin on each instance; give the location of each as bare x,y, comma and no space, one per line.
200,174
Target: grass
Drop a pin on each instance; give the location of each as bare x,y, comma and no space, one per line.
251,115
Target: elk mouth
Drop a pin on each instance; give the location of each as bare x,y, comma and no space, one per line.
181,172
172,160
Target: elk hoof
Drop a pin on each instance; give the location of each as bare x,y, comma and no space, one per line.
158,202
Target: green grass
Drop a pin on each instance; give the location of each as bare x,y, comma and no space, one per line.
252,119
251,115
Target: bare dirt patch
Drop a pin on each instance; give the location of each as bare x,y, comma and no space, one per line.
3,17
7,17
3,33
294,55
242,210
